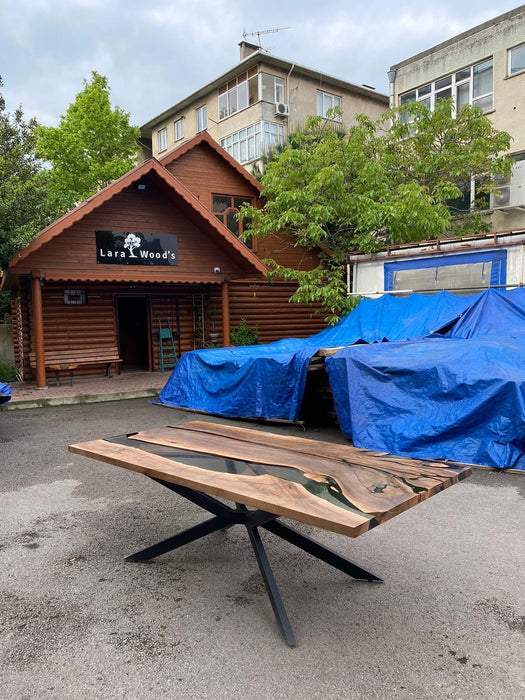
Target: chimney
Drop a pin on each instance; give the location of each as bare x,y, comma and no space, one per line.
246,49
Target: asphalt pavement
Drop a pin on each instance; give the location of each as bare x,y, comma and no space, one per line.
76,621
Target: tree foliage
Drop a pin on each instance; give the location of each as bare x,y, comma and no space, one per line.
92,145
24,208
379,182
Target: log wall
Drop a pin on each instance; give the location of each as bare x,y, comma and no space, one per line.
205,173
268,306
193,311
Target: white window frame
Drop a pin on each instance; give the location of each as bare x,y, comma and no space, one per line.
429,93
322,109
278,89
471,196
201,119
162,140
178,129
510,72
234,96
249,144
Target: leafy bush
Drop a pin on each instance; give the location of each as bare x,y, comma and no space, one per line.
7,373
243,334
5,304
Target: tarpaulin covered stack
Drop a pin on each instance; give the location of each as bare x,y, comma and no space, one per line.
458,394
267,381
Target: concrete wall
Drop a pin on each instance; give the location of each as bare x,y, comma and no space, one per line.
300,93
492,39
474,47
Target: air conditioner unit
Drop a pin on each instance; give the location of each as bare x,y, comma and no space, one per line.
281,110
511,192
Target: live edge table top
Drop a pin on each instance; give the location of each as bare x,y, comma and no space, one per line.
331,486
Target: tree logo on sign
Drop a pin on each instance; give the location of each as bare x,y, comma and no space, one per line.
131,242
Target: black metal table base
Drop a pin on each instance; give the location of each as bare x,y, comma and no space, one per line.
225,517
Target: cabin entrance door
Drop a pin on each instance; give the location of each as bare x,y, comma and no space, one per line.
134,336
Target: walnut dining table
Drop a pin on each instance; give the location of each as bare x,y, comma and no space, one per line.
268,476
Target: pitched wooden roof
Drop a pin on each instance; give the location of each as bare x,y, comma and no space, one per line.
204,137
224,235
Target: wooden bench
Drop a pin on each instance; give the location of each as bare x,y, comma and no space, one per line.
71,360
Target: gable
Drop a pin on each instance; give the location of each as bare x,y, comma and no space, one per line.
160,205
205,172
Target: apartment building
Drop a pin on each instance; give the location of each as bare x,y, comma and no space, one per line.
484,66
252,107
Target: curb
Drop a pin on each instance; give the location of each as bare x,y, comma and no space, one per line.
79,399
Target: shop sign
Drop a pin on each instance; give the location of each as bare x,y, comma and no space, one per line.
130,248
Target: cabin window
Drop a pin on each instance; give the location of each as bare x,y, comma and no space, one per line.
75,297
226,208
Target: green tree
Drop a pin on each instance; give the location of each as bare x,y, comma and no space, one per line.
92,146
380,182
24,208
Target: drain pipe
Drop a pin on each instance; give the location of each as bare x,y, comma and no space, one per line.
288,85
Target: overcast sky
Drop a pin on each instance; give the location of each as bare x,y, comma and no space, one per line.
156,52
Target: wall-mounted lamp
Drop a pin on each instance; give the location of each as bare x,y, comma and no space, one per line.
141,186
217,270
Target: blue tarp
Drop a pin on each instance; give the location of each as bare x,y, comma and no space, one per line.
5,393
263,381
267,381
495,313
396,318
459,397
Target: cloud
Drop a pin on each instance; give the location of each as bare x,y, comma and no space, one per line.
21,19
202,20
361,47
156,52
344,31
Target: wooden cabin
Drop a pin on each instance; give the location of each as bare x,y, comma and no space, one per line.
157,253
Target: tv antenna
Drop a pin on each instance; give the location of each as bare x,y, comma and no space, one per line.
262,31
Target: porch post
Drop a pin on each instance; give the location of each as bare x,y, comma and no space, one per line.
225,296
38,327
